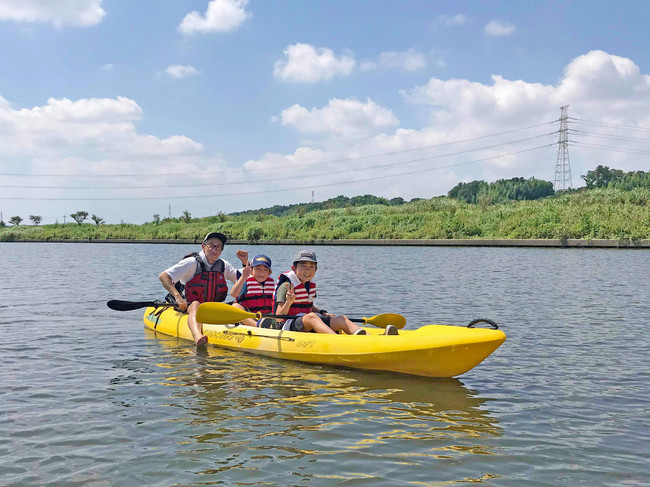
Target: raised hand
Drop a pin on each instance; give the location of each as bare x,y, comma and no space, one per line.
291,295
242,255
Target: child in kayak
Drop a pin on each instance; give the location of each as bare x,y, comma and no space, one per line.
254,289
295,293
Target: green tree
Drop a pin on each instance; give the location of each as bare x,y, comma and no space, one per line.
15,220
187,216
36,220
156,218
98,221
601,177
79,216
467,192
254,233
2,224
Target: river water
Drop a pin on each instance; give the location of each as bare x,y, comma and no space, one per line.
89,397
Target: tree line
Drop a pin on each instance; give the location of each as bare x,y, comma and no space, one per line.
502,190
474,192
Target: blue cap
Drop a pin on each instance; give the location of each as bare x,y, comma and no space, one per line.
261,260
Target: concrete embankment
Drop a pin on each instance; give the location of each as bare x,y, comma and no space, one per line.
580,243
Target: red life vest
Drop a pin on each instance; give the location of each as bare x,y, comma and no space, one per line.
259,296
305,294
207,285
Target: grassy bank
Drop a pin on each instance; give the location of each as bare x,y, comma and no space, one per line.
593,214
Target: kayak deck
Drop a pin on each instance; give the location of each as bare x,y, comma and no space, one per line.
431,350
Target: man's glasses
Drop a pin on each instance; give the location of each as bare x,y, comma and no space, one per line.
213,247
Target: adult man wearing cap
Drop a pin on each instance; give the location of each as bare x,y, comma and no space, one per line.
201,277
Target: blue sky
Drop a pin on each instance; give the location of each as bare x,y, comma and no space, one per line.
125,108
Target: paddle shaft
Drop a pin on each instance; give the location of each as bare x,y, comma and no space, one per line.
221,313
119,305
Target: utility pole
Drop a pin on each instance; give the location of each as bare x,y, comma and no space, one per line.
64,219
562,179
312,196
170,211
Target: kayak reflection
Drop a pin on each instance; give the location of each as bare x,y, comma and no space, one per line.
247,388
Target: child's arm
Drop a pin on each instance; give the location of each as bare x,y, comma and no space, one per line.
236,289
242,255
285,302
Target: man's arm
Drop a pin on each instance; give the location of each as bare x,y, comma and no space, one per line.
168,284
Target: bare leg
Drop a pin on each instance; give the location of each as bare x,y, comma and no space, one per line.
342,322
311,321
195,327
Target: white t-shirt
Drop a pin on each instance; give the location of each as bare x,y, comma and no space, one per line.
186,269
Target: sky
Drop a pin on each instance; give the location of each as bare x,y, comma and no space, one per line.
129,109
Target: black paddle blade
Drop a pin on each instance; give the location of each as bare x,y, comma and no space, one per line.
119,305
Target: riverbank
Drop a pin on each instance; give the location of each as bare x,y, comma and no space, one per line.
572,242
600,214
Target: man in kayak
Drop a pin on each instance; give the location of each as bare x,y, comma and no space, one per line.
200,278
295,294
254,290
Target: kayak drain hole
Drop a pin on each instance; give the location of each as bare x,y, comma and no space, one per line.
492,324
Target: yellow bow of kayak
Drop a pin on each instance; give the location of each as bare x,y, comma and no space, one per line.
431,350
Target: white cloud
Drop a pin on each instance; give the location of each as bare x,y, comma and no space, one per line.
350,118
497,28
221,16
451,20
68,13
304,63
411,162
97,134
410,60
108,67
180,71
271,161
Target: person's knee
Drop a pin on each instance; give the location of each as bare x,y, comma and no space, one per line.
310,318
193,307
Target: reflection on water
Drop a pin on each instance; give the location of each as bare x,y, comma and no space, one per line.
255,411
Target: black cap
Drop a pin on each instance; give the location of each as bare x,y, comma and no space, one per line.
304,256
218,235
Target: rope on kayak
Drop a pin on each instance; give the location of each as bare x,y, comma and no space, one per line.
475,322
250,333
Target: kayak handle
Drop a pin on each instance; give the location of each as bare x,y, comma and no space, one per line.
475,322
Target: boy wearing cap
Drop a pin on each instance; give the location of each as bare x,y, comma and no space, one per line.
254,289
295,294
199,278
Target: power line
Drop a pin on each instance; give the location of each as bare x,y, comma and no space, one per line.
291,166
611,149
318,185
282,178
610,125
610,136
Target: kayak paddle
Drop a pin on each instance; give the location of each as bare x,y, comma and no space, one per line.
223,314
119,305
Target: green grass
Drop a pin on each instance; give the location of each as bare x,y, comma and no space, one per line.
588,214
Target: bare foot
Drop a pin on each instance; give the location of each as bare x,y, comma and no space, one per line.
202,341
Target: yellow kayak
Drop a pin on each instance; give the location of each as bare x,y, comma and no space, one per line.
431,350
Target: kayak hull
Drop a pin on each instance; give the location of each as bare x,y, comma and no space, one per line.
431,350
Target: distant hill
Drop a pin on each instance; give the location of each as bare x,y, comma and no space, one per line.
337,202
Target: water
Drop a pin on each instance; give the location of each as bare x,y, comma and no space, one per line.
89,397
